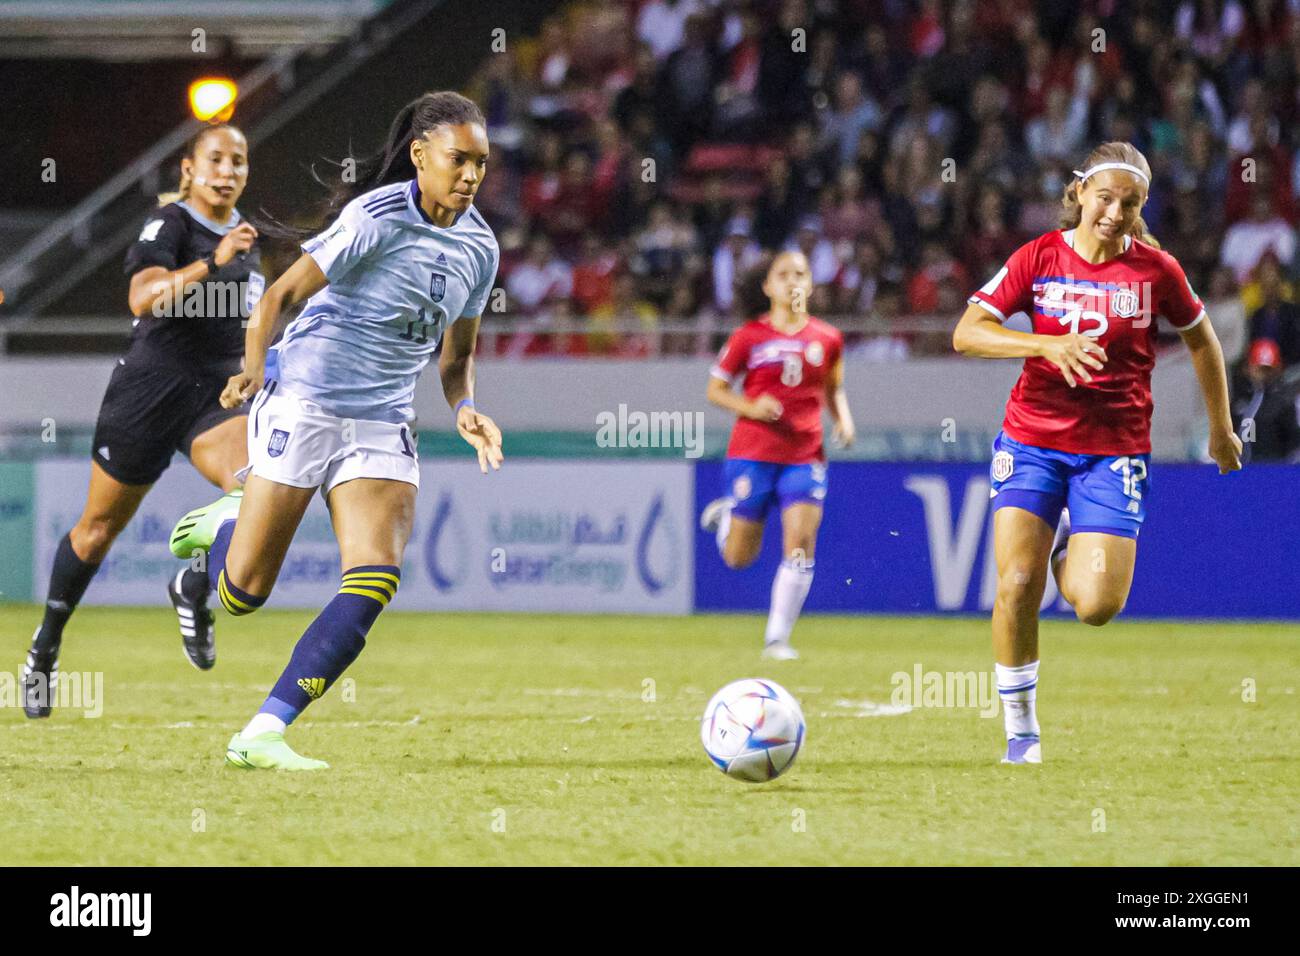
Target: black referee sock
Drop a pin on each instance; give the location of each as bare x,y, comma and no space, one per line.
69,579
195,586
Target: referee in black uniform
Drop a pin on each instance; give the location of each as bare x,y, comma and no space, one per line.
194,279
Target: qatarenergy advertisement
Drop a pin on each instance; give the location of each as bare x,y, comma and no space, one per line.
536,536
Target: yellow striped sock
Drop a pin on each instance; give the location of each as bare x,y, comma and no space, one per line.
383,597
379,585
232,603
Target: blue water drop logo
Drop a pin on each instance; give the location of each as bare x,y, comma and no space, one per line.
442,521
657,545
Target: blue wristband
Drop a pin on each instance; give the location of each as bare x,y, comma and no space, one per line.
461,404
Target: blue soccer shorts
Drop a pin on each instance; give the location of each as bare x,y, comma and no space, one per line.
1105,493
757,485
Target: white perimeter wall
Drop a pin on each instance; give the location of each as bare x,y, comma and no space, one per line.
569,394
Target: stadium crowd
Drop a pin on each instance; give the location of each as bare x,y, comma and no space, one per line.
647,151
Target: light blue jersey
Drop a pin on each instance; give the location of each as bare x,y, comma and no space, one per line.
396,282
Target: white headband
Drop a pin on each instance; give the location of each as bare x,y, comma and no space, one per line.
1127,167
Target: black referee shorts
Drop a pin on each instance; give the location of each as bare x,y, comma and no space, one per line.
151,411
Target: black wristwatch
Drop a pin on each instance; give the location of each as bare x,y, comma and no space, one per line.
210,260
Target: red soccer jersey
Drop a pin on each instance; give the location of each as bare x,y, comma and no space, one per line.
793,369
1115,302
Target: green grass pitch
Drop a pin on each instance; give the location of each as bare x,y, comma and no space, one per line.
535,739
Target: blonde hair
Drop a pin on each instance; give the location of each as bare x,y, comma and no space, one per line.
1116,152
182,191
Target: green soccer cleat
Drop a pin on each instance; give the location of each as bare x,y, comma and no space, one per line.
197,529
267,751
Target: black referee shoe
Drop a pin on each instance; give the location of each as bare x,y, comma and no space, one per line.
40,677
198,630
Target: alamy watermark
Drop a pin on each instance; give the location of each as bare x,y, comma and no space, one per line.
74,690
132,911
636,429
216,299
922,688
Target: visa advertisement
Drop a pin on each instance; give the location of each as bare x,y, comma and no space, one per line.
910,537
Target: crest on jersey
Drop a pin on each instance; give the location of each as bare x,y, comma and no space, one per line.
437,286
1003,465
741,487
1124,303
814,353
254,286
1054,290
275,447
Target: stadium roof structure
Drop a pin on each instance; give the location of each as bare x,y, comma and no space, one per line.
148,29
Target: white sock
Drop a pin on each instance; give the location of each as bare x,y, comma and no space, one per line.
724,526
789,589
1018,688
263,723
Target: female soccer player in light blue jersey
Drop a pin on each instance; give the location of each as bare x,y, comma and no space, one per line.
405,261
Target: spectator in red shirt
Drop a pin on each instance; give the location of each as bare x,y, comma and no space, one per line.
925,33
846,213
1263,171
611,163
541,186
577,208
1044,69
936,286
593,276
990,241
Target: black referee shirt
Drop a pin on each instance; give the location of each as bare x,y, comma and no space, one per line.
204,329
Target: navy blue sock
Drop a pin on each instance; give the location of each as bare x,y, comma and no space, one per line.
217,553
234,599
69,579
333,640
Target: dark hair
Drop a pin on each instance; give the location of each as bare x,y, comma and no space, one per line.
750,297
190,151
390,163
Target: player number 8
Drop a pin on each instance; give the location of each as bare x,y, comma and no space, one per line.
792,370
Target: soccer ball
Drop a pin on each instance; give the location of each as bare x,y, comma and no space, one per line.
752,730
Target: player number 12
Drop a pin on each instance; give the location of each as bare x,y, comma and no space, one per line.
1134,472
1075,317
